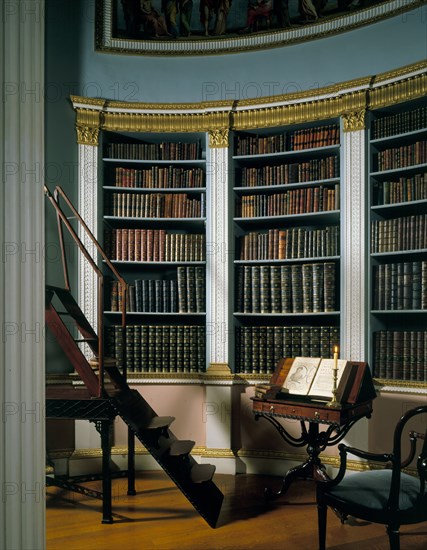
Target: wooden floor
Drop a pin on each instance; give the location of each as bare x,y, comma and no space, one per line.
160,517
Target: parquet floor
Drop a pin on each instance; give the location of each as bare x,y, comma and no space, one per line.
159,517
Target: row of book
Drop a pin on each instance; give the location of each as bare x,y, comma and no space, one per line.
295,201
249,144
155,348
400,123
403,156
292,243
155,205
159,177
399,234
259,348
405,189
295,288
154,245
296,172
166,150
321,136
400,285
400,355
307,138
186,294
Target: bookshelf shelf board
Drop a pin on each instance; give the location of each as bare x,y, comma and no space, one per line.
298,314
313,152
157,313
398,311
198,162
188,190
401,207
287,260
181,222
384,174
155,264
399,385
329,216
278,187
407,137
420,252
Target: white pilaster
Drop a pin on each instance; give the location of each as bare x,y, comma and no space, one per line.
88,209
217,406
217,264
354,282
22,370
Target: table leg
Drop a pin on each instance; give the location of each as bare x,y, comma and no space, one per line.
107,516
131,462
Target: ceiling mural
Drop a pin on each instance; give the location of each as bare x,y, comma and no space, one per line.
197,27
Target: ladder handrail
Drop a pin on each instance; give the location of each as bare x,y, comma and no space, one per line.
62,219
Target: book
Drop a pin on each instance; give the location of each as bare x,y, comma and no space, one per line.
313,377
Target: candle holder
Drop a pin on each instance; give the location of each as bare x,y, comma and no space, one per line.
334,402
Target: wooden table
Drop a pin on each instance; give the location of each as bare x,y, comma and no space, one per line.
337,421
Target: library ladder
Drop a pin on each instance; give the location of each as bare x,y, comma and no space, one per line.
103,380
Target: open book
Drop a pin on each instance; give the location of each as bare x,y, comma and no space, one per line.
313,376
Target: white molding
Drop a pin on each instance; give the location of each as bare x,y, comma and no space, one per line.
88,209
22,353
354,282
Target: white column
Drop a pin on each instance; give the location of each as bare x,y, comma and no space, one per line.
88,209
217,258
354,284
22,369
218,403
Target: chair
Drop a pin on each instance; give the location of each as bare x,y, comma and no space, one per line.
387,496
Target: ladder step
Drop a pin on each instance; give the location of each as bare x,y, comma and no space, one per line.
181,448
200,473
158,422
78,340
63,313
94,362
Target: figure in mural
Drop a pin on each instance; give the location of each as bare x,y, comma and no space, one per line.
170,9
222,9
259,12
153,22
281,11
207,11
307,10
186,10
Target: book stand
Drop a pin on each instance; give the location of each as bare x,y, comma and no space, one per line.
311,415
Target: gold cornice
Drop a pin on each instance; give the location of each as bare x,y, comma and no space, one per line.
203,105
400,72
354,120
399,91
313,94
324,103
89,101
218,138
164,122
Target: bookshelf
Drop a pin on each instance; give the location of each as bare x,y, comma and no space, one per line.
287,244
154,213
398,242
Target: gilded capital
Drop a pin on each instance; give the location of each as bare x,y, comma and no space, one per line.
354,120
218,138
87,135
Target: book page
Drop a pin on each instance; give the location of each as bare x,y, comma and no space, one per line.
324,380
301,375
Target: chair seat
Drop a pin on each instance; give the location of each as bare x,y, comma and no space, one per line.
370,490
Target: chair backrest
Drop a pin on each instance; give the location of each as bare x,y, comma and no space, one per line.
393,503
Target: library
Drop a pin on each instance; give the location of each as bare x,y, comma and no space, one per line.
205,211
